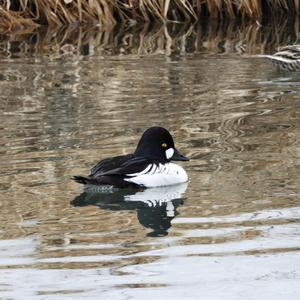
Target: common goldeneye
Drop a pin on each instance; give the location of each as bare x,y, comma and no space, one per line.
148,166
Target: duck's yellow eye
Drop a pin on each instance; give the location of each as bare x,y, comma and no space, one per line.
164,145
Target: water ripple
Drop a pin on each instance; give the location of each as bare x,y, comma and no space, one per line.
237,119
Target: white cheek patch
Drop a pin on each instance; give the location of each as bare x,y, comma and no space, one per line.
169,153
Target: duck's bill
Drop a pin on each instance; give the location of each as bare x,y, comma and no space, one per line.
178,156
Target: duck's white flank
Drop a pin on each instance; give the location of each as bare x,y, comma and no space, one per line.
159,175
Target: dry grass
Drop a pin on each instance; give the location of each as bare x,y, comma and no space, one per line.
22,13
15,21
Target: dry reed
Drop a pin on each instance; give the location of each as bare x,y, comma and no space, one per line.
16,14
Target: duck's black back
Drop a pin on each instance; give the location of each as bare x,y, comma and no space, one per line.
110,163
112,171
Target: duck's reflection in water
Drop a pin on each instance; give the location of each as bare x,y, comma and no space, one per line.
156,207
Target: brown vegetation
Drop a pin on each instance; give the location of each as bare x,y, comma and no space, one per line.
18,14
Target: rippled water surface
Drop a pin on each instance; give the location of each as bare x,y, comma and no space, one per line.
232,232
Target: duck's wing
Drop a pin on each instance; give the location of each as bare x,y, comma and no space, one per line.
112,171
111,163
131,167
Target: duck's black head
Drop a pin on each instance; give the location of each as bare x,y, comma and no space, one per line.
157,143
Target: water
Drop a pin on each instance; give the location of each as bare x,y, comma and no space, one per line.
232,232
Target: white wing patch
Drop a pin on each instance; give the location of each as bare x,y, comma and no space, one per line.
159,175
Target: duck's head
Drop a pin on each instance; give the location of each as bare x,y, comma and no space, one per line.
157,143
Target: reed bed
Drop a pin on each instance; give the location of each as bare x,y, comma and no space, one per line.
212,37
16,14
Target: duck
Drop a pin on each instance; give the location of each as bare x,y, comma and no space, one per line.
286,58
147,167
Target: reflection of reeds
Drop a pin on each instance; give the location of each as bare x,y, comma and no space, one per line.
59,12
210,37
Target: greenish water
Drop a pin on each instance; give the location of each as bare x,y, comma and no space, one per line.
231,233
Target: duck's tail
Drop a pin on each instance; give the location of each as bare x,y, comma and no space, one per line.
82,179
